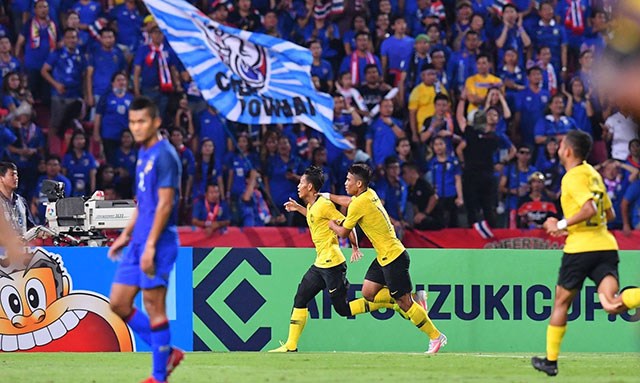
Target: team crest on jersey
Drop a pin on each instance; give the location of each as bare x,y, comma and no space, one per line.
149,166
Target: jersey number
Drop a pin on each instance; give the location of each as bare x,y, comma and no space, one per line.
599,200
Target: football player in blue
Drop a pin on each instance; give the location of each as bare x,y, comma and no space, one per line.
153,240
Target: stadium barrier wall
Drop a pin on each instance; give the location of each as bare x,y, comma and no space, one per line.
240,299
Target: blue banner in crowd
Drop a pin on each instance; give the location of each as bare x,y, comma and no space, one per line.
248,77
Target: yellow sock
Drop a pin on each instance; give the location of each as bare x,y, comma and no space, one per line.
419,317
383,296
554,339
631,298
298,320
361,305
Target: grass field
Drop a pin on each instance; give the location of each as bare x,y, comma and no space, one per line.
316,367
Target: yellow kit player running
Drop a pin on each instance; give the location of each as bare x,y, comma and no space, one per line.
387,279
329,269
590,249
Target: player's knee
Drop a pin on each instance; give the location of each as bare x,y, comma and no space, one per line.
368,295
120,308
300,301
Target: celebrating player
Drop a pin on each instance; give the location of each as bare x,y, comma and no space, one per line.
154,240
329,269
590,249
387,279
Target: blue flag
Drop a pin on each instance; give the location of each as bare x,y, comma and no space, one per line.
248,77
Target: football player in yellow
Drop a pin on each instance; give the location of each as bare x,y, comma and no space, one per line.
329,271
388,276
590,249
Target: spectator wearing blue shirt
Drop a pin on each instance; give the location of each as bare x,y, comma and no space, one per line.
551,34
238,166
38,198
64,69
188,161
462,63
595,38
88,12
112,115
8,63
555,124
319,159
55,8
10,91
270,25
530,106
393,193
80,166
319,67
282,176
382,135
129,22
512,76
358,24
575,30
27,150
150,68
347,158
208,169
359,59
211,126
446,177
412,66
617,176
395,49
513,35
514,182
549,164
103,63
630,209
439,62
211,213
579,105
125,160
39,37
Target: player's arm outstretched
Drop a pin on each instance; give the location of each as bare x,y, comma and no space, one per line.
163,211
293,205
123,239
342,200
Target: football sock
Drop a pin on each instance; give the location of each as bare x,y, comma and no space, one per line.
298,320
160,343
139,323
554,339
419,317
631,298
383,296
361,305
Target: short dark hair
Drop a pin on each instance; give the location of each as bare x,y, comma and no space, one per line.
361,33
52,157
369,66
391,160
412,165
107,29
145,103
67,30
441,96
534,68
483,56
313,41
315,177
396,18
634,141
474,33
6,166
213,184
509,5
580,142
362,172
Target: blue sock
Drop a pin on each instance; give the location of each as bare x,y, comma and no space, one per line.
160,342
139,323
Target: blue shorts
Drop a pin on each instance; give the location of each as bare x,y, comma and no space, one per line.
129,272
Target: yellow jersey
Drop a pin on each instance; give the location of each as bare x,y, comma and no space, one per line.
367,210
422,100
479,85
579,185
328,253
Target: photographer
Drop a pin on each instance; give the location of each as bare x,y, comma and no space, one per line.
16,209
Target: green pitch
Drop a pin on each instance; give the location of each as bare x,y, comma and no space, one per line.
316,367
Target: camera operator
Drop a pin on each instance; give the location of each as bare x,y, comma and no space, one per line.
16,208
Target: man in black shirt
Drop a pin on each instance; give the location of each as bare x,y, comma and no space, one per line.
427,215
244,16
478,182
374,89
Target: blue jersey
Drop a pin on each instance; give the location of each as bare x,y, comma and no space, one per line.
78,170
240,167
67,68
579,115
552,170
394,197
149,72
531,106
515,179
460,66
188,161
126,161
88,14
443,176
323,71
281,188
632,195
548,127
13,65
552,36
205,177
35,55
396,50
105,64
129,26
211,212
384,140
211,126
158,167
115,115
345,66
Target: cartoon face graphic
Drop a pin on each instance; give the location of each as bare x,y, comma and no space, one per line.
39,312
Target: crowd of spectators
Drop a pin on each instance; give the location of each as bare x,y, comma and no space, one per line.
459,107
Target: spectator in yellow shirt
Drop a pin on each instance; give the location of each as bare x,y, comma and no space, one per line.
478,85
422,99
